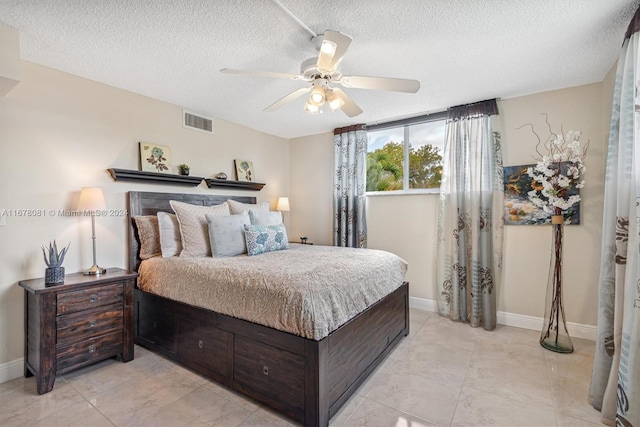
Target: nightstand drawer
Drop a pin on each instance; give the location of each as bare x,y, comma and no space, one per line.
88,351
86,324
71,302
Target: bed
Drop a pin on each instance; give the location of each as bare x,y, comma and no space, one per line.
303,378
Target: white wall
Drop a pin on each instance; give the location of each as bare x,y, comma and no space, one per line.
311,194
59,133
406,224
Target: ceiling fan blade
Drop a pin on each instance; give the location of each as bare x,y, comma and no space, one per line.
381,83
293,95
334,45
263,74
350,108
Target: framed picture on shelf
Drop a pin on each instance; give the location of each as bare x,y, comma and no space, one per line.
155,158
244,170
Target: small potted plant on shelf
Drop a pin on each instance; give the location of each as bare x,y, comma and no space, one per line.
54,273
183,168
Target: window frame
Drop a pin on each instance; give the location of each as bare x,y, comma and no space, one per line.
405,124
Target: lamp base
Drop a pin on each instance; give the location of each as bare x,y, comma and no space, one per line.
94,270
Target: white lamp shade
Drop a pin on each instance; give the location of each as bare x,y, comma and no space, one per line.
334,100
310,108
283,204
91,199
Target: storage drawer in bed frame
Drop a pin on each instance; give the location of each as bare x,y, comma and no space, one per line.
304,379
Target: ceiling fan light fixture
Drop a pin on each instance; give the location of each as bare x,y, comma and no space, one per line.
317,96
310,108
323,74
334,101
328,47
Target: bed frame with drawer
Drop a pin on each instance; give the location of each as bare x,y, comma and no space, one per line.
304,379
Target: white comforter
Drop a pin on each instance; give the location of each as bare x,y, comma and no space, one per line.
307,290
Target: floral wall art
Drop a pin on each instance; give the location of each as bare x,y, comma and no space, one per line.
244,170
155,158
519,209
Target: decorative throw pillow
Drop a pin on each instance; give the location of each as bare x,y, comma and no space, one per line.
194,231
149,235
264,219
226,234
170,242
238,207
265,239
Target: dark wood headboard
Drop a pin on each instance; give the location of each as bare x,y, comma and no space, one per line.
149,203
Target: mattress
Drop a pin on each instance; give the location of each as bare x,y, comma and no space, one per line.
307,290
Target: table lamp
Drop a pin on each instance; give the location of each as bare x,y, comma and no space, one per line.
283,206
92,199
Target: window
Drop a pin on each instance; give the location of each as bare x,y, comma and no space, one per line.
406,154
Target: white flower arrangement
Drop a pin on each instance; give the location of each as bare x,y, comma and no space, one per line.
557,172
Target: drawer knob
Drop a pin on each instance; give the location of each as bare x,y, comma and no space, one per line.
265,369
155,325
200,344
92,348
93,323
93,298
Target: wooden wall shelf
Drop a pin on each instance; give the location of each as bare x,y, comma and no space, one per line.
154,177
238,185
183,180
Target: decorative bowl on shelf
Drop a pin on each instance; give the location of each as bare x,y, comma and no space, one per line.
221,175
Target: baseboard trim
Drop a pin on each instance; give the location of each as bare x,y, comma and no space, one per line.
576,330
11,370
422,304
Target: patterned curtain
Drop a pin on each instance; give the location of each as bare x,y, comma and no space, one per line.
615,381
469,253
349,186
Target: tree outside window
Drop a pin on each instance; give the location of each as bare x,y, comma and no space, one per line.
421,144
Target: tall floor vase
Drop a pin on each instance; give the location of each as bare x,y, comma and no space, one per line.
555,336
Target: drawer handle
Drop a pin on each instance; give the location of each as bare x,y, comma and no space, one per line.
265,369
93,298
200,344
93,323
92,348
155,325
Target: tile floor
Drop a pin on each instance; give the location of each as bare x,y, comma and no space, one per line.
442,374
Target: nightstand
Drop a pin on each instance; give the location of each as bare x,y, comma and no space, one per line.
76,323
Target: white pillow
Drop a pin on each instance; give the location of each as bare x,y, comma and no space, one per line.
170,243
194,231
238,207
265,219
226,234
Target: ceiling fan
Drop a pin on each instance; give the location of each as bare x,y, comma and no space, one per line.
323,72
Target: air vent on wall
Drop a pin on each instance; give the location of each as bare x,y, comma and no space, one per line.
197,122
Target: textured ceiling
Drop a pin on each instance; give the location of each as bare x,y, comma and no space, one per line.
460,50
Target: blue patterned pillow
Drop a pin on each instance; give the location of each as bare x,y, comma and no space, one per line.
265,239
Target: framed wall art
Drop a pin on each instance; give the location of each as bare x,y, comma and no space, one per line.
244,170
155,158
518,209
